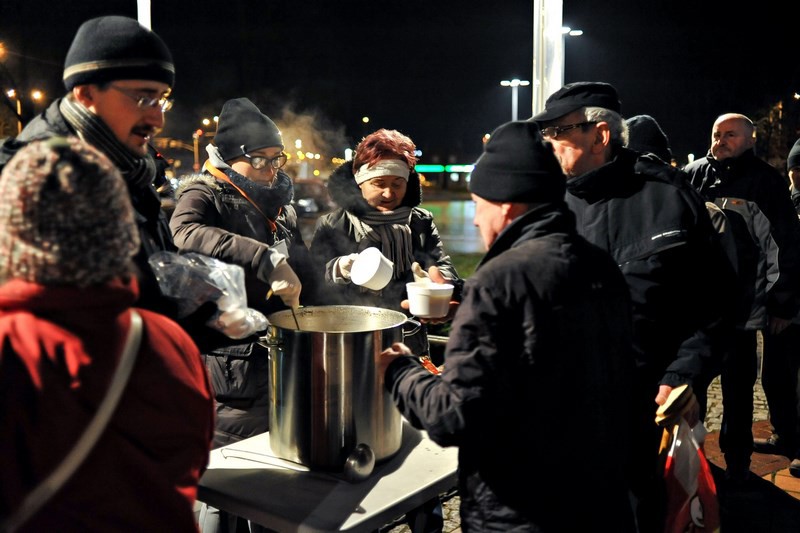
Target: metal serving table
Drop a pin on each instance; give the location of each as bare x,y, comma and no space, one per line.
245,479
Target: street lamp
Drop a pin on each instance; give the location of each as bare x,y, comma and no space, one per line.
566,31
11,93
514,84
196,149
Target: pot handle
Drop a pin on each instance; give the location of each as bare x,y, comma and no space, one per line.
417,326
270,338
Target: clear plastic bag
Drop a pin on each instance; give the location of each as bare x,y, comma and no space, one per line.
193,279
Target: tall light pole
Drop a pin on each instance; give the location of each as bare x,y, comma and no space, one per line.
12,93
515,85
196,149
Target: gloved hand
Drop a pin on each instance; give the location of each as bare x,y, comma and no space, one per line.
240,323
344,264
285,283
419,274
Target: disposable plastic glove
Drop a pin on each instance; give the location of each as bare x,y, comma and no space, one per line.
344,264
419,274
240,323
285,283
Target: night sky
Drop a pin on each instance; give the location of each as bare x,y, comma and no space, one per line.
432,68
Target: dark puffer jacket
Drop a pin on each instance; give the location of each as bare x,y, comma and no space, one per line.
212,218
657,228
154,232
335,236
537,373
749,178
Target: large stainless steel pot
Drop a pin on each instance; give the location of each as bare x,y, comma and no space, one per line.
327,397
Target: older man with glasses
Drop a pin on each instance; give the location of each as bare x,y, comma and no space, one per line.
645,214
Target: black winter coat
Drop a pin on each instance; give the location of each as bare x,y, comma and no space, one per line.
537,373
212,218
657,228
335,236
752,179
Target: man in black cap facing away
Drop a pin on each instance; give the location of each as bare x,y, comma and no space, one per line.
541,340
656,227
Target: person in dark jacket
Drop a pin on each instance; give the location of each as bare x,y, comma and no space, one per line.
755,199
784,402
731,168
238,211
119,76
378,194
746,236
647,216
541,340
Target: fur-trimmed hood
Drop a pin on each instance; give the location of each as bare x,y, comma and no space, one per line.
344,190
190,179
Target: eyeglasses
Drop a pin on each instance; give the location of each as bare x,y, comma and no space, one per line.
552,132
259,161
143,102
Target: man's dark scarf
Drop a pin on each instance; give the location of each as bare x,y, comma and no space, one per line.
138,171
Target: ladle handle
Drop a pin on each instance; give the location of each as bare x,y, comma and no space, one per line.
417,325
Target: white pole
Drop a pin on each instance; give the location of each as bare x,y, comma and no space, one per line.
548,51
514,101
143,10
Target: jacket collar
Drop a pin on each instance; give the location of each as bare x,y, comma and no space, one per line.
541,220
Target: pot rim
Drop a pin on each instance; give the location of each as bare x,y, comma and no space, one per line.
284,320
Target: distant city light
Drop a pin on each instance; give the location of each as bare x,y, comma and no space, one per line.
444,168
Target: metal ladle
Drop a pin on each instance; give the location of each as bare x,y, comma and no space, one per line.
294,316
359,464
296,323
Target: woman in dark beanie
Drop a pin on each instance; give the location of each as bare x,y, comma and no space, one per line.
239,211
67,289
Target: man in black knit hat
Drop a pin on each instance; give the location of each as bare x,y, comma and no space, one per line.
119,76
541,340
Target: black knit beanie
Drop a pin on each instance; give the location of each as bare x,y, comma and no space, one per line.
117,48
241,123
645,135
518,166
793,159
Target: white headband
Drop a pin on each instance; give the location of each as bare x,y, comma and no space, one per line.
385,167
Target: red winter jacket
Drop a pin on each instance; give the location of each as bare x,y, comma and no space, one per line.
60,347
